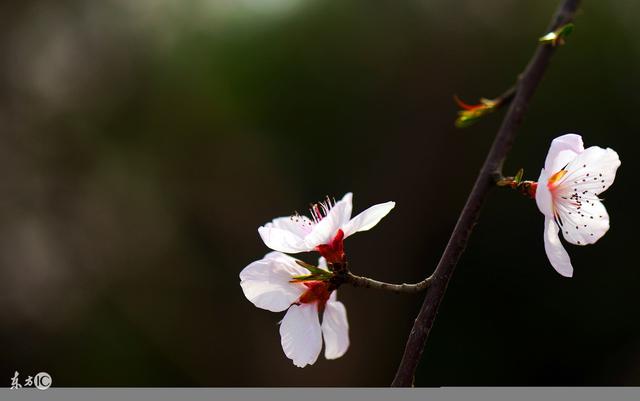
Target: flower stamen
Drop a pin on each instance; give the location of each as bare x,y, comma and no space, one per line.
320,210
553,180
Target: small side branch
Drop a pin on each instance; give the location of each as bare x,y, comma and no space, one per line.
365,282
470,114
507,96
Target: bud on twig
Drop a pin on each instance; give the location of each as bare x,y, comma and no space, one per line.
472,113
558,36
525,187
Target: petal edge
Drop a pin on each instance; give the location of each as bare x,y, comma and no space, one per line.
368,218
558,256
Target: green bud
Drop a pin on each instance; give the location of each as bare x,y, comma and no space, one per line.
518,177
557,37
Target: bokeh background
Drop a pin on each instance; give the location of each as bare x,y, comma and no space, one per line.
143,142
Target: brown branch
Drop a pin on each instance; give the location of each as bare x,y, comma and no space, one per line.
491,169
506,97
340,274
366,282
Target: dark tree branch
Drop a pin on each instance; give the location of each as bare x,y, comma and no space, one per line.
490,171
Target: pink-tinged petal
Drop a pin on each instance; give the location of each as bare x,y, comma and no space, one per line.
345,212
326,229
301,335
368,218
582,216
335,328
544,200
296,224
591,172
322,263
556,253
322,233
585,225
562,151
266,282
284,235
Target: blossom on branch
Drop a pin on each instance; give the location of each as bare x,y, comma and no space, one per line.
567,195
274,283
325,231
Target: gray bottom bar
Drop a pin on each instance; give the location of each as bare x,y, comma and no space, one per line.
327,394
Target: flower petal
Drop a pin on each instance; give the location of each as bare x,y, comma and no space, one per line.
585,225
583,217
544,199
368,218
286,234
556,253
593,170
335,328
563,150
345,212
266,282
326,229
300,334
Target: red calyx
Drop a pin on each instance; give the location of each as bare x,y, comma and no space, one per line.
527,188
317,291
333,252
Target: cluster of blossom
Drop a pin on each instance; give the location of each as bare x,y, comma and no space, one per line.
271,283
566,193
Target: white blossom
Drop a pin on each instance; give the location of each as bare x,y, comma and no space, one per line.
269,284
330,222
567,195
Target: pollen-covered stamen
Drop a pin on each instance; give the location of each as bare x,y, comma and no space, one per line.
303,224
320,210
554,179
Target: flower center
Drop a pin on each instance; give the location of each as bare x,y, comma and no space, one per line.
553,180
320,210
333,252
317,291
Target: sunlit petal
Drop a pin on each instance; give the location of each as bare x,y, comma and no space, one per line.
335,329
266,282
301,335
556,253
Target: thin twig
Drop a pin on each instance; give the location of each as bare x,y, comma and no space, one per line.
471,113
342,275
366,282
506,97
491,169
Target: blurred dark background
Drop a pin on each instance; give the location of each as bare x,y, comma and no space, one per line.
143,142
